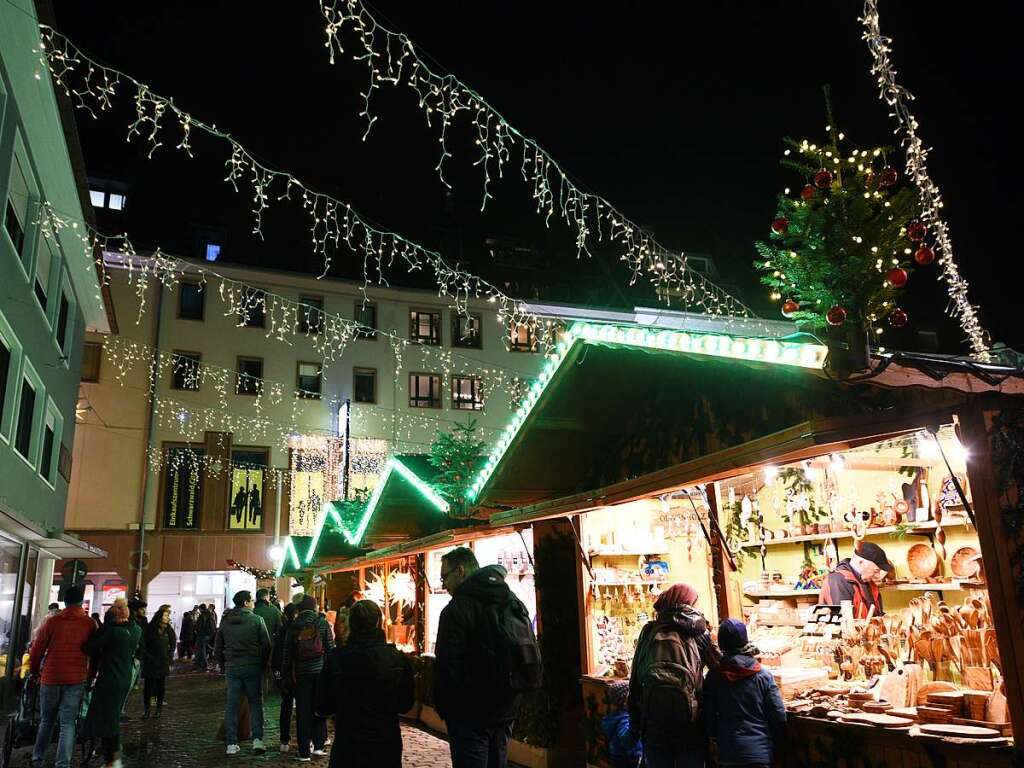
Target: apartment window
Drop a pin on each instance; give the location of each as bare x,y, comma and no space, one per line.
250,376
522,338
311,314
425,327
26,419
63,313
16,210
467,393
212,251
253,311
364,384
98,198
46,460
115,202
191,301
366,316
309,380
424,390
44,262
5,372
92,357
466,331
185,370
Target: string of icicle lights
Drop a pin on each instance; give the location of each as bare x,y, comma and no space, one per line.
898,98
391,60
334,224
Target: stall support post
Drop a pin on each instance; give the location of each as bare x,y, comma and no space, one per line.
721,566
998,549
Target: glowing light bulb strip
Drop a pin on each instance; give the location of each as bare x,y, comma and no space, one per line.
811,356
334,224
898,98
289,552
392,60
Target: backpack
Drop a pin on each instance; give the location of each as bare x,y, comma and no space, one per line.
514,657
668,702
309,645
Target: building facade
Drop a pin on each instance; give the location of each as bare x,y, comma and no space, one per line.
49,296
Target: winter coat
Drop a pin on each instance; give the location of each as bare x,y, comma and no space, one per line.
680,637
366,684
242,644
844,583
291,665
277,653
460,693
188,629
271,616
59,642
113,648
743,711
158,646
205,625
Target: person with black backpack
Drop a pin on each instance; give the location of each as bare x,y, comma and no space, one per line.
487,656
666,679
306,645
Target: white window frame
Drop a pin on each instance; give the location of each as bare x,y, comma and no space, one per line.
51,416
28,372
13,380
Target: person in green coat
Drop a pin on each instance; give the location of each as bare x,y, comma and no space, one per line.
113,649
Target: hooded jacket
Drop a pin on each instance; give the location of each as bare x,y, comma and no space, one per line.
271,616
460,693
681,637
291,665
242,644
743,711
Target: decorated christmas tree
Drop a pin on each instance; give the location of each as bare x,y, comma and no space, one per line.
456,457
842,249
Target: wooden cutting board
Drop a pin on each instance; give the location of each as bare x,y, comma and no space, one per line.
996,710
879,721
933,687
962,731
896,687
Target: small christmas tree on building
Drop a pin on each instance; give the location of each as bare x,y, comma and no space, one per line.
456,457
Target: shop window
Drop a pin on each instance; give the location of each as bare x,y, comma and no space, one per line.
92,359
183,487
26,420
364,385
248,488
466,331
191,301
249,380
311,314
425,327
467,393
10,561
252,312
366,316
310,378
424,390
522,338
185,370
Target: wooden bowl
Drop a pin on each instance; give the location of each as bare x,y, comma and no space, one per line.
963,565
922,561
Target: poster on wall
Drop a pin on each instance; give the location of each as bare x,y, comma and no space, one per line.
248,487
307,494
183,487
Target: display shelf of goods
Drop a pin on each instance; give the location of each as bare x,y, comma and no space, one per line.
784,593
886,529
612,553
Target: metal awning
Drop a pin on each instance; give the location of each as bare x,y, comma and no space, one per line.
64,546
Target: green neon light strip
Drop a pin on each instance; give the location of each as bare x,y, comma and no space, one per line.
354,537
289,549
715,345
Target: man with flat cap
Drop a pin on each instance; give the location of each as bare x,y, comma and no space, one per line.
856,579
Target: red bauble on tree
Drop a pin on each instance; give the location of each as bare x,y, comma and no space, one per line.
897,277
790,308
898,318
823,179
916,231
807,193
887,177
836,315
924,256
780,226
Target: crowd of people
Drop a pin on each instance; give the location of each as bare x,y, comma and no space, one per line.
688,691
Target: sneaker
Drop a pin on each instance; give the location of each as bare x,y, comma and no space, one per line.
285,746
257,747
232,749
318,752
302,759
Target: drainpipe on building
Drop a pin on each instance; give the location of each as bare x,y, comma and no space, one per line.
154,381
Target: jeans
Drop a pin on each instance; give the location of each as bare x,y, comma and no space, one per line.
674,754
478,746
201,644
309,727
58,702
248,682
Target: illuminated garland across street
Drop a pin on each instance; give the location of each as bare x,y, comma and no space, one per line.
898,98
334,224
760,350
391,60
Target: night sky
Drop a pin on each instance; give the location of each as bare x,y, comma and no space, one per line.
676,116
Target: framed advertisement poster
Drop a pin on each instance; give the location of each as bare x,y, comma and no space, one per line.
183,487
248,487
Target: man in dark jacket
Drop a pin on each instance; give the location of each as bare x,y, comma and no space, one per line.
306,646
188,633
479,716
856,579
666,680
205,629
243,649
743,710
270,614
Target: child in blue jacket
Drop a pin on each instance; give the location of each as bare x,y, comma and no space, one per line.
743,709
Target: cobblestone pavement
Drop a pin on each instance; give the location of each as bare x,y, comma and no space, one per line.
185,735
